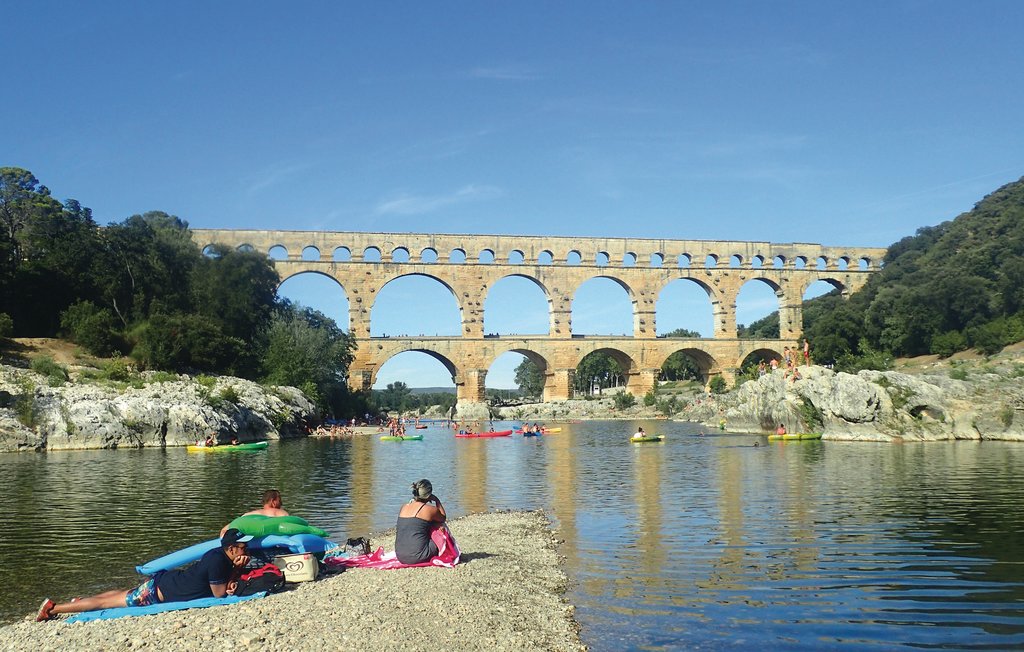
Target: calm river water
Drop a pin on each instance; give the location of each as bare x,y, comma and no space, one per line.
699,542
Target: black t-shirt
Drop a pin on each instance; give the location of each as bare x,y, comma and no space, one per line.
194,582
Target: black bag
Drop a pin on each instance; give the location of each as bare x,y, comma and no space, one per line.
267,577
359,546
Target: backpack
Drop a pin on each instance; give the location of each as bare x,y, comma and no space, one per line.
267,577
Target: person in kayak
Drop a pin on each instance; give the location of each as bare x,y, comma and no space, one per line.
206,578
639,434
416,521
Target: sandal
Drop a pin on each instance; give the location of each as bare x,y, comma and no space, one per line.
45,610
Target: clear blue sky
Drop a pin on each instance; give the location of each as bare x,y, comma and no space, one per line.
831,122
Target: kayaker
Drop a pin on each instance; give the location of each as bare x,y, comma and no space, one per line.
639,434
781,430
416,521
210,442
206,578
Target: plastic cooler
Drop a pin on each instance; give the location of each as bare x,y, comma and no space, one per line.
302,567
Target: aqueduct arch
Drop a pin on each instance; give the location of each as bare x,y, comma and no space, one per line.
559,265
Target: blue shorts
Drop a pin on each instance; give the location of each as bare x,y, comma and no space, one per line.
144,595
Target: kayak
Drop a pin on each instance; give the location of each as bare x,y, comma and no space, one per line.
227,448
531,434
421,427
640,440
401,438
499,433
805,436
545,431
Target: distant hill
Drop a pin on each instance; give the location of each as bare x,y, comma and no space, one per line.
432,390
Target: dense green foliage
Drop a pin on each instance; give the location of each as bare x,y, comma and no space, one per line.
141,287
529,379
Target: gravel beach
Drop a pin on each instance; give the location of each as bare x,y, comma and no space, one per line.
507,594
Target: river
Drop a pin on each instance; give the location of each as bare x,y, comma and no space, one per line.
704,541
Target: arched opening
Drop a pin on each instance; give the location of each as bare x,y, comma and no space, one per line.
247,248
629,259
210,251
400,255
428,255
844,264
757,310
686,365
545,258
600,371
735,260
710,261
416,369
657,260
486,257
683,309
757,262
864,264
822,263
602,306
800,262
779,262
277,252
516,257
683,261
310,253
573,258
415,305
371,255
457,256
602,259
517,305
342,255
821,288
516,375
319,292
758,363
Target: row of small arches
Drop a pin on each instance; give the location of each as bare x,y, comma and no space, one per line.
574,257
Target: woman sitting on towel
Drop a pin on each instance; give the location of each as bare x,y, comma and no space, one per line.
417,519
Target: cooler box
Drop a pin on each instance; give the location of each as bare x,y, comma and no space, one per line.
301,567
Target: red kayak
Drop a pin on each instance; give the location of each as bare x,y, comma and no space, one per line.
499,433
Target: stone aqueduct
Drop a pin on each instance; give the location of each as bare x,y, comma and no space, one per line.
469,265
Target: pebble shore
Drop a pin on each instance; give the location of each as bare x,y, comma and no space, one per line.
506,594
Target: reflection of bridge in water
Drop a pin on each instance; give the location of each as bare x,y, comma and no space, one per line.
470,265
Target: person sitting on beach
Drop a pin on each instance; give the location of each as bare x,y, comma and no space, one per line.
416,520
271,507
639,434
208,577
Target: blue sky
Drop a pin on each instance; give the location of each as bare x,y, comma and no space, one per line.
829,122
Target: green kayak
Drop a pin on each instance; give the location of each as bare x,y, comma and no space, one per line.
399,438
227,448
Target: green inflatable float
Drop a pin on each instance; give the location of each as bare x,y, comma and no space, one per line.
259,525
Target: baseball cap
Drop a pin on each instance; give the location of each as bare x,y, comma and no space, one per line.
233,536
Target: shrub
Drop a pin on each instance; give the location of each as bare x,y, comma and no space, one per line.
1006,416
946,344
717,385
624,400
811,415
650,398
229,394
117,369
90,326
958,373
56,374
6,325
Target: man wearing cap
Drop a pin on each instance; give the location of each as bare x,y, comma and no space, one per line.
206,578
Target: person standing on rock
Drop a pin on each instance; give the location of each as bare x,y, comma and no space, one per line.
206,578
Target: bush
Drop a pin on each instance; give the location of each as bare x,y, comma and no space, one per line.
185,343
650,398
6,325
56,374
117,369
958,373
229,394
946,344
1006,416
717,385
90,326
811,415
624,400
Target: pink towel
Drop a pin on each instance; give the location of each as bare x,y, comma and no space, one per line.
447,557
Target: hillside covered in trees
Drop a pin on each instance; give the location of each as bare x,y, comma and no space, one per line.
142,288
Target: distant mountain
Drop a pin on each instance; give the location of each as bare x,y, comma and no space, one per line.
432,390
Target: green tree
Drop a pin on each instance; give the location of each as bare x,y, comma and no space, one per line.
597,369
680,366
529,378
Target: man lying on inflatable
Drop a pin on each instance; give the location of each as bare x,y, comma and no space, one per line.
206,578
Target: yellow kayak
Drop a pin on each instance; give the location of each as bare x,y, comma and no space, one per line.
640,440
803,436
227,448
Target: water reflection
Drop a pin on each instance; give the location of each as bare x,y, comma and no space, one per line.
701,541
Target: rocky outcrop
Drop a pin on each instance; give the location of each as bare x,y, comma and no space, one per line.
145,413
871,405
